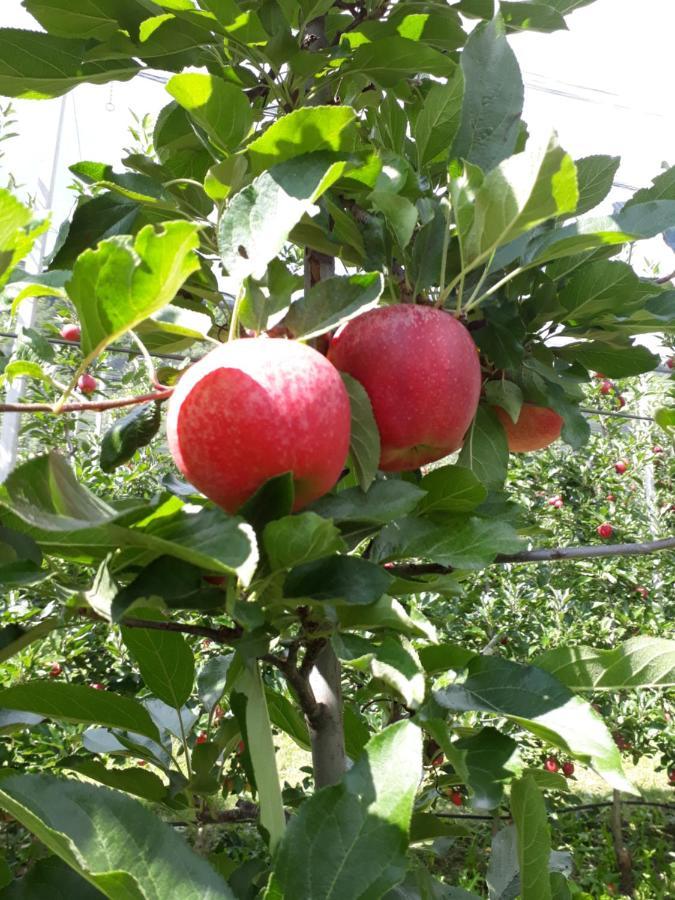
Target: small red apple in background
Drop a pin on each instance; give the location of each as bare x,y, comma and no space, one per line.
670,362
657,448
568,769
201,738
421,371
605,530
536,428
611,498
456,797
218,713
621,401
551,764
606,387
87,383
142,762
671,776
71,332
555,500
255,408
55,670
643,592
216,580
97,686
598,375
241,746
437,761
621,466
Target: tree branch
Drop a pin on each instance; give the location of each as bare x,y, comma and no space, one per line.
86,405
300,684
222,635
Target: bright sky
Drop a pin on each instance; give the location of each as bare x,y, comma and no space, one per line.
605,86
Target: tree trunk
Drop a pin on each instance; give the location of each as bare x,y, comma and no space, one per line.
327,733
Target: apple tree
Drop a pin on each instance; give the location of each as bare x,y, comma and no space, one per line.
406,284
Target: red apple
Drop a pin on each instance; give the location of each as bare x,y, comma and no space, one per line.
551,764
87,383
97,686
605,530
554,500
216,580
536,428
256,408
670,362
558,504
456,798
643,592
437,761
55,670
201,738
657,448
606,387
420,369
568,769
621,401
671,776
241,746
621,466
611,498
70,332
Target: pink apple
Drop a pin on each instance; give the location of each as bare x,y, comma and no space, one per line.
70,332
551,764
255,408
670,362
621,466
456,798
55,670
568,769
420,369
536,428
606,387
605,530
87,383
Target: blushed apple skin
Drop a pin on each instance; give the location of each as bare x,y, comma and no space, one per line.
536,428
255,408
420,369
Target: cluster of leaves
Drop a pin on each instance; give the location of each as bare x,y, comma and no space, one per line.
386,137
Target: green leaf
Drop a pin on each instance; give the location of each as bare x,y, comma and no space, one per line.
34,65
13,638
662,188
439,118
284,715
440,657
272,500
365,817
307,130
121,283
129,434
505,394
595,175
258,219
385,500
542,705
534,839
485,762
451,489
641,662
76,703
386,613
399,214
51,879
95,219
364,441
395,662
665,418
613,360
92,828
535,16
225,177
603,287
213,678
493,98
260,747
485,450
165,660
333,301
173,329
98,19
134,781
17,232
391,59
221,108
348,579
522,192
300,539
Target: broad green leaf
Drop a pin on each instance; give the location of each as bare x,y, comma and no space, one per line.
51,879
179,584
595,175
121,283
213,678
261,750
165,661
348,579
505,394
34,65
136,781
485,450
225,177
21,368
307,130
391,59
386,613
517,195
662,188
531,16
534,839
221,108
20,563
284,715
116,843
486,761
364,441
665,418
542,705
13,638
642,662
439,118
384,501
300,539
350,840
17,230
428,827
614,360
441,657
333,301
168,718
129,434
493,98
451,489
173,329
179,149
395,662
97,19
603,287
95,219
258,219
399,214
76,703
273,500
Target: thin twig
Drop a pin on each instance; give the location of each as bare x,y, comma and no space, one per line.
86,405
222,635
300,685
